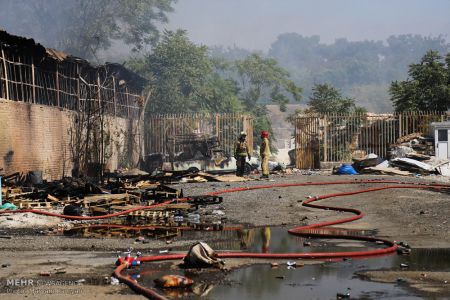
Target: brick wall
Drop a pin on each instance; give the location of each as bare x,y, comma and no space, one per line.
35,137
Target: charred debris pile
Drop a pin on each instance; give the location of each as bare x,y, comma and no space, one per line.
413,154
131,195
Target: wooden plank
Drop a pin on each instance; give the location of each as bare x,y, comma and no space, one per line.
6,74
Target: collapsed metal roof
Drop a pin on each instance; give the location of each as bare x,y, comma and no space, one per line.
46,57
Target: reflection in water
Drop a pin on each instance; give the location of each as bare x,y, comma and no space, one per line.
118,231
265,235
275,240
324,281
321,281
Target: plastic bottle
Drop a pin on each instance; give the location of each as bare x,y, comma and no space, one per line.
194,218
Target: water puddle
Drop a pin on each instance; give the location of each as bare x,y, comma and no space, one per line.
320,281
278,240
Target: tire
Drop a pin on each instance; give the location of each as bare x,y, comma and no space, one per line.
72,210
193,170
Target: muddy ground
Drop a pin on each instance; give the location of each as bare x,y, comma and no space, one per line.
419,217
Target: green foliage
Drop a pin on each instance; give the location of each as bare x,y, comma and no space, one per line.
363,69
182,78
262,78
83,27
428,87
327,99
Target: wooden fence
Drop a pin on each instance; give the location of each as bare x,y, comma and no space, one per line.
336,137
161,129
67,84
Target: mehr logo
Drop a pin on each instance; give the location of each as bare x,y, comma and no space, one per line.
19,282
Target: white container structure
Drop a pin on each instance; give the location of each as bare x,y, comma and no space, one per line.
441,133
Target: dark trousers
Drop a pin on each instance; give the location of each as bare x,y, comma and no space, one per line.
240,165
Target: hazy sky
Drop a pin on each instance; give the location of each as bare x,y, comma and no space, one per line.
255,24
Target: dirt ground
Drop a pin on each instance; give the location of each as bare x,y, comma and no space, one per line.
419,217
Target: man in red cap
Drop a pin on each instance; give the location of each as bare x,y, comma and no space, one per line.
264,151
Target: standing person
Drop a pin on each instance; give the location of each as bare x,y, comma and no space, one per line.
241,152
264,151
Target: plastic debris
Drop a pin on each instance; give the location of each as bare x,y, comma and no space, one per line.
291,264
173,281
345,295
8,206
114,281
346,169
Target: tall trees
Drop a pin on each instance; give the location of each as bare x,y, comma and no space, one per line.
182,78
263,79
83,27
428,87
327,99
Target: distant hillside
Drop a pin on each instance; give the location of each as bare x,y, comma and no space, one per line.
360,69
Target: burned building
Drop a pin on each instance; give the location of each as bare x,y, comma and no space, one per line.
58,112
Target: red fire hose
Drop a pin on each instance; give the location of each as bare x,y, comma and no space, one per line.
300,230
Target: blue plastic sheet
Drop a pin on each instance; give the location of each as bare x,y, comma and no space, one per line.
346,170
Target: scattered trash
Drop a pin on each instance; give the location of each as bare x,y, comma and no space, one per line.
345,169
306,243
412,165
347,259
173,281
404,244
72,210
403,251
8,206
6,265
114,281
291,264
163,251
274,265
401,280
404,266
218,212
280,277
201,255
345,295
80,281
46,274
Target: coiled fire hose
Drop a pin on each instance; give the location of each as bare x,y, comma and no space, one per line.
300,230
